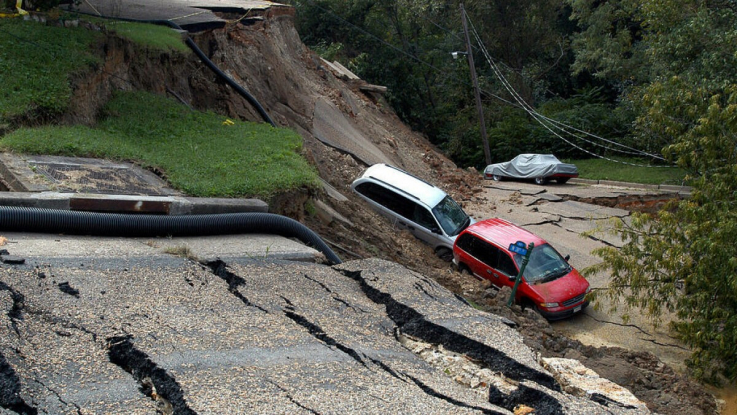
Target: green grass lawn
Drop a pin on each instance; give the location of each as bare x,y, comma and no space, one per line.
629,170
200,153
36,60
35,64
157,37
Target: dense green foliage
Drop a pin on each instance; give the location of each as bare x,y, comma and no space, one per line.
406,45
199,153
687,102
36,62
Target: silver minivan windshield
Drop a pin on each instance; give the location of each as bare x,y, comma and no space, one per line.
451,217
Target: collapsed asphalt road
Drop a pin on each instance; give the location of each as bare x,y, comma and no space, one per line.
112,325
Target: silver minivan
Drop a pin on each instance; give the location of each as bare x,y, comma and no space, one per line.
415,205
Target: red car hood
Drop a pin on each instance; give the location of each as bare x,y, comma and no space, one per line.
561,289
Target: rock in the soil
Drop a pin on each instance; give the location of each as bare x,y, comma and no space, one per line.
578,380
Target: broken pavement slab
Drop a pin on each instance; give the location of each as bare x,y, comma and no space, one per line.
189,14
96,324
332,128
38,173
12,259
577,379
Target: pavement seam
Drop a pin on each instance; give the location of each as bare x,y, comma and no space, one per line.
220,269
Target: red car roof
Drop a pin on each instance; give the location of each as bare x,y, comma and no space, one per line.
503,232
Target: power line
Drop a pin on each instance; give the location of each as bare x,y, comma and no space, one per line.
546,122
539,117
557,124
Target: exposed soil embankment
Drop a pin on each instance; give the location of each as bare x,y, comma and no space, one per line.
633,203
298,91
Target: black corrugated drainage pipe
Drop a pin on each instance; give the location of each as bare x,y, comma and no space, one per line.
24,219
210,64
229,81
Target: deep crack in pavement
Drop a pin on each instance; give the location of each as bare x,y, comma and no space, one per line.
10,387
430,391
411,322
220,268
153,379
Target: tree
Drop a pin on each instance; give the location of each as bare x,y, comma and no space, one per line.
684,259
406,45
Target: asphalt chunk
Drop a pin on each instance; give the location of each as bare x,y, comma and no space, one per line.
12,260
66,288
16,311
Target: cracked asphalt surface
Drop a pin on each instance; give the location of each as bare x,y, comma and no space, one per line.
136,330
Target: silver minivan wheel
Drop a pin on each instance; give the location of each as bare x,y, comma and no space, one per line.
540,180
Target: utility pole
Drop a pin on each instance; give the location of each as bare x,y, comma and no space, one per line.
469,53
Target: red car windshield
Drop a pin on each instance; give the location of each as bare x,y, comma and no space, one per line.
545,264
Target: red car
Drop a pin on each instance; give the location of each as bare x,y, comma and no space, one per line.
549,285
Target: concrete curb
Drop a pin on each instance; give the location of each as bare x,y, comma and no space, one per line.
167,205
613,183
630,185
